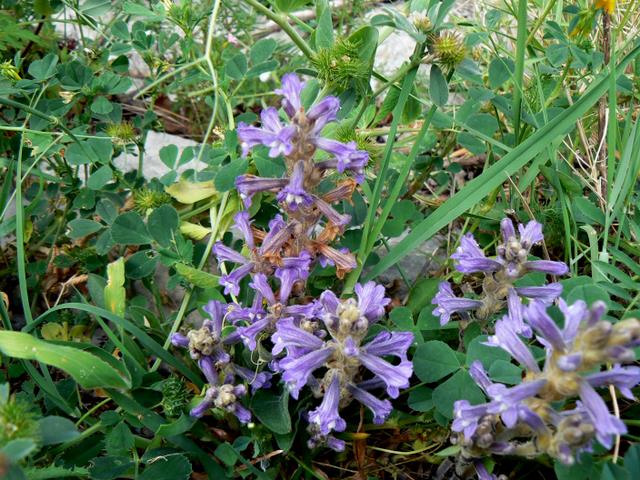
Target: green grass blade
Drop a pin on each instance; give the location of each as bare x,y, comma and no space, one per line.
518,74
495,175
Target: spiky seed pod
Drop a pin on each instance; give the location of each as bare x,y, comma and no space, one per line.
420,21
341,65
449,49
174,396
121,133
147,199
17,420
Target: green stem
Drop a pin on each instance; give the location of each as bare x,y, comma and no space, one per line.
518,75
283,23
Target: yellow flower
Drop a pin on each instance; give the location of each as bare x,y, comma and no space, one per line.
607,5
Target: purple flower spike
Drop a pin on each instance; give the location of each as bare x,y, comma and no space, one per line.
547,266
371,300
294,194
448,304
380,408
327,416
291,89
471,259
607,425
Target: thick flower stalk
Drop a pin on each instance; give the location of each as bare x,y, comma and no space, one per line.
209,349
500,275
541,415
312,223
351,366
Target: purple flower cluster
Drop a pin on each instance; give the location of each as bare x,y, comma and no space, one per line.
342,355
500,274
209,349
542,407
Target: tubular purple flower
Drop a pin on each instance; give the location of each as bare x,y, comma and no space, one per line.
179,340
371,300
607,426
291,89
390,343
242,414
483,473
506,338
294,194
323,112
395,377
479,375
279,233
257,380
530,234
249,185
199,410
216,311
272,134
226,254
329,301
327,416
570,362
207,365
243,223
573,314
471,259
448,304
231,282
298,370
536,314
508,232
547,293
288,335
514,306
507,401
338,219
547,266
466,417
249,334
347,155
380,408
261,285
624,378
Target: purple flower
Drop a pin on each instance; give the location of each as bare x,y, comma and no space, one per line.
323,112
332,215
507,339
294,194
466,417
507,402
624,378
255,379
547,293
327,416
371,300
347,157
547,266
273,134
380,408
298,370
607,425
395,377
249,185
471,259
390,343
448,304
536,314
291,89
515,309
231,282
